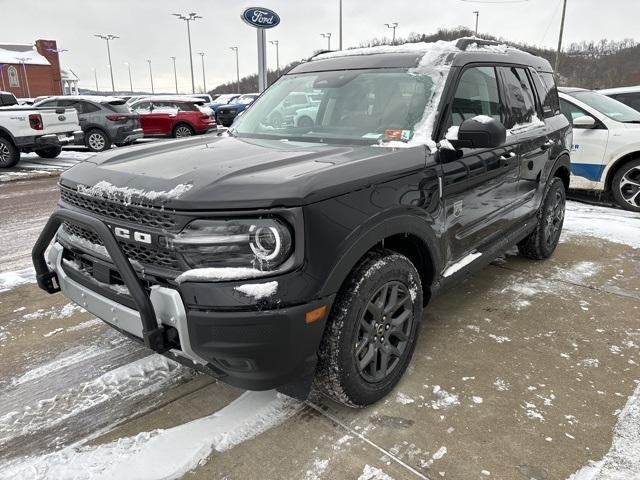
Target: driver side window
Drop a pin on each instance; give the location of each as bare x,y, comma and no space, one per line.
476,94
572,112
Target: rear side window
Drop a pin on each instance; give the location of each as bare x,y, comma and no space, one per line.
476,94
7,100
630,99
550,100
117,106
521,107
186,107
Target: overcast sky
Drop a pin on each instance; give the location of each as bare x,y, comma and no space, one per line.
148,31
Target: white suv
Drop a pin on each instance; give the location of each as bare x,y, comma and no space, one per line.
628,95
605,154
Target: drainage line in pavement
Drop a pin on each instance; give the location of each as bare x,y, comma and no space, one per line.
366,440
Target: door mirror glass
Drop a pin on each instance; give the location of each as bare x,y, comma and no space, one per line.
481,132
584,121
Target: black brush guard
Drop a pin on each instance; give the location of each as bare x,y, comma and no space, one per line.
153,335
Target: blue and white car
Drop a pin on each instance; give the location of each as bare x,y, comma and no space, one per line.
605,153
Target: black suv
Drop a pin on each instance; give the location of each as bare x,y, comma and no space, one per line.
272,256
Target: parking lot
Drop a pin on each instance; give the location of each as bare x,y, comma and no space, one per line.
526,370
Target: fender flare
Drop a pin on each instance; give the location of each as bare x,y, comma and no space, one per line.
374,232
6,133
563,160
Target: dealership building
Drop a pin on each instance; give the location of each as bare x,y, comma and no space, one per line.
33,70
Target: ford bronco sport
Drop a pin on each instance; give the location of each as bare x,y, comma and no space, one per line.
282,257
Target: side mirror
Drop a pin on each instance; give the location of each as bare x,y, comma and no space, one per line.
481,131
584,121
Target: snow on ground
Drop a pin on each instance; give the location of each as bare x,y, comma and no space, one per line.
10,280
611,224
622,462
162,454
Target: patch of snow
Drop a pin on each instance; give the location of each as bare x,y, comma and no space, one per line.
452,133
129,195
501,385
404,399
476,399
258,291
220,274
499,339
532,412
88,324
484,119
53,332
532,124
461,264
10,280
163,454
589,362
486,473
609,224
444,399
373,473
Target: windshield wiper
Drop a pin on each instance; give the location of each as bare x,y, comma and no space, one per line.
631,121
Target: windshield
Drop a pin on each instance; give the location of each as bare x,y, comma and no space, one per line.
224,99
359,106
245,99
613,109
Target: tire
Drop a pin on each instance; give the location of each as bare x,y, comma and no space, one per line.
9,153
360,335
97,141
49,152
305,122
625,186
275,120
542,242
182,130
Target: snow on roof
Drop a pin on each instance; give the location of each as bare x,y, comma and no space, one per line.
11,52
419,47
90,98
609,91
173,98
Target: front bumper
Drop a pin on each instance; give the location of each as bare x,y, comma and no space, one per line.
243,345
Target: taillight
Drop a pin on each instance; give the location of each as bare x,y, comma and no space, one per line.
35,120
117,118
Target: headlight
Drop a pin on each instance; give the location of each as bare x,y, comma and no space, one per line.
263,244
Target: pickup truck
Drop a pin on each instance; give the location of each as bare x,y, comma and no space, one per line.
298,255
40,130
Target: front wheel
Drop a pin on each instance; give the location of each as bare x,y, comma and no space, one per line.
372,330
625,186
542,242
49,152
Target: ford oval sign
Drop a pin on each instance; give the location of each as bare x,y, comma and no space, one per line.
260,17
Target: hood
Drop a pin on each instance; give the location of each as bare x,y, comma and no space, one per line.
212,173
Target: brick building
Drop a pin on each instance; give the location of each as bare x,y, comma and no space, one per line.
30,71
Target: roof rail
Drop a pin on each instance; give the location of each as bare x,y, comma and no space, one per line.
463,43
320,52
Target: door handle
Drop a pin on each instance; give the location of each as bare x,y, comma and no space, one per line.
507,156
547,145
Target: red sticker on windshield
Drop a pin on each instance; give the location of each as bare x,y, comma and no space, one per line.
393,134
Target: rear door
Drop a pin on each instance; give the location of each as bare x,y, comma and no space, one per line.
146,117
588,148
527,130
479,184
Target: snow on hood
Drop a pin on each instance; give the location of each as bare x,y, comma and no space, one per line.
128,195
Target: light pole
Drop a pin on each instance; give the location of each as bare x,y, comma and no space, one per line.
22,60
328,37
564,11
108,38
276,43
235,49
151,76
204,78
393,27
340,28
95,77
477,12
190,17
130,82
175,73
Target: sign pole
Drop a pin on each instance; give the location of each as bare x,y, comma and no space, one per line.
262,60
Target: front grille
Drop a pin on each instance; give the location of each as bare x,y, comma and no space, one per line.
140,253
148,217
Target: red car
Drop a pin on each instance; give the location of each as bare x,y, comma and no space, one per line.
175,116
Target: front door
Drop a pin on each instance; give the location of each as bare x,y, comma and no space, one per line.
479,185
588,148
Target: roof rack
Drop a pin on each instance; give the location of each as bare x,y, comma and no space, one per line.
463,43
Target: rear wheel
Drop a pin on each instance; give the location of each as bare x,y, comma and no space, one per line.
9,153
625,186
49,152
305,122
372,330
542,242
183,130
97,141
